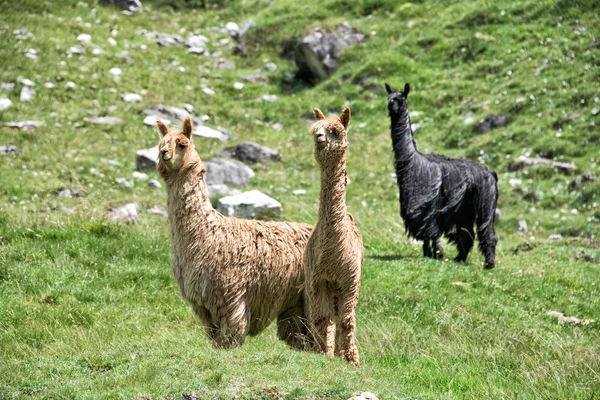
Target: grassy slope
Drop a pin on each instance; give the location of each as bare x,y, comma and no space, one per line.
90,310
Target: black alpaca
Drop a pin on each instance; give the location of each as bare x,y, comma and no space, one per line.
441,195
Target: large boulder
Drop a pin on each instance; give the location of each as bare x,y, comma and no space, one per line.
251,153
146,159
253,205
129,5
318,53
221,171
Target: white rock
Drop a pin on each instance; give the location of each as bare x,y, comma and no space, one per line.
124,182
196,50
146,159
27,82
26,93
157,210
131,98
469,120
112,41
188,107
252,204
70,85
25,125
269,97
97,51
515,182
414,127
196,41
31,53
154,183
232,28
127,213
556,236
415,114
208,91
116,71
238,85
363,396
522,226
84,38
5,103
49,85
76,50
150,120
299,192
139,176
207,132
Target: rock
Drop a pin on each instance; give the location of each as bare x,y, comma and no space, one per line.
218,189
104,120
154,183
196,42
232,29
84,38
166,40
238,85
196,50
111,41
5,103
555,236
70,85
26,93
253,205
69,193
124,182
277,126
188,107
246,26
7,86
78,49
22,34
299,192
269,97
580,179
146,159
363,396
222,171
24,125
491,122
568,118
205,131
127,213
31,53
129,5
139,176
49,85
252,153
574,321
171,113
255,78
115,71
151,121
7,150
27,82
208,91
522,226
524,161
131,98
223,63
318,53
515,182
158,210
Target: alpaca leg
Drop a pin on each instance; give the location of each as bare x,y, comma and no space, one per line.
438,252
427,249
231,334
486,234
292,326
346,326
204,315
464,242
320,316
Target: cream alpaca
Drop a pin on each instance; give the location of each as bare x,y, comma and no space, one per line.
334,255
238,275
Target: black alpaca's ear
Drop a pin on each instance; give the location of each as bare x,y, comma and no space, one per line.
187,127
406,90
318,114
345,117
163,130
388,88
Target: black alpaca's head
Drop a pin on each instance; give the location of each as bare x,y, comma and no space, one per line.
397,100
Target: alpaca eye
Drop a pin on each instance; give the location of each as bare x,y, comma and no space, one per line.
181,146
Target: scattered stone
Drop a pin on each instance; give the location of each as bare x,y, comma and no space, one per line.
5,103
104,120
208,91
318,53
158,210
115,71
124,182
77,49
171,113
7,150
252,205
69,193
150,120
555,236
68,210
238,85
154,183
196,50
524,161
255,78
574,321
127,213
70,85
26,93
269,97
139,176
49,85
205,131
131,98
223,171
515,182
196,41
24,125
22,34
522,226
84,38
250,152
223,63
146,159
491,122
113,163
363,396
299,192
7,86
568,118
232,29
218,189
111,41
166,40
129,5
277,126
31,53
581,179
188,107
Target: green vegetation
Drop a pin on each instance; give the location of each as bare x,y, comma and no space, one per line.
89,308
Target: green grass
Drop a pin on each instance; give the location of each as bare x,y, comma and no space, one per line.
89,308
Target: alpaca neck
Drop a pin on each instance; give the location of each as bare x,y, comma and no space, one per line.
402,138
332,206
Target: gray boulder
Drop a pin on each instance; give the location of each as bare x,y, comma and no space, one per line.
252,153
129,5
318,53
491,122
171,113
146,159
251,205
10,149
222,171
127,213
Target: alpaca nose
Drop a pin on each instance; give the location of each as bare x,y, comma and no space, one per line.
163,154
320,136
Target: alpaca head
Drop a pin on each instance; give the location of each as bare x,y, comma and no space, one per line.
176,148
397,100
330,134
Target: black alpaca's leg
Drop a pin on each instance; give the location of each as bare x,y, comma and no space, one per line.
427,248
486,234
438,252
464,242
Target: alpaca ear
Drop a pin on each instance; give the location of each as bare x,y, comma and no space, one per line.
406,90
345,117
163,130
187,127
388,89
318,114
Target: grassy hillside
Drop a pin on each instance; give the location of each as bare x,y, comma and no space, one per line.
89,308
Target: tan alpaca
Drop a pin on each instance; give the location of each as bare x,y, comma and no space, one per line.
238,275
334,255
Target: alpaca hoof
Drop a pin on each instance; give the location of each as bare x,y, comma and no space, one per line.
489,266
438,255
